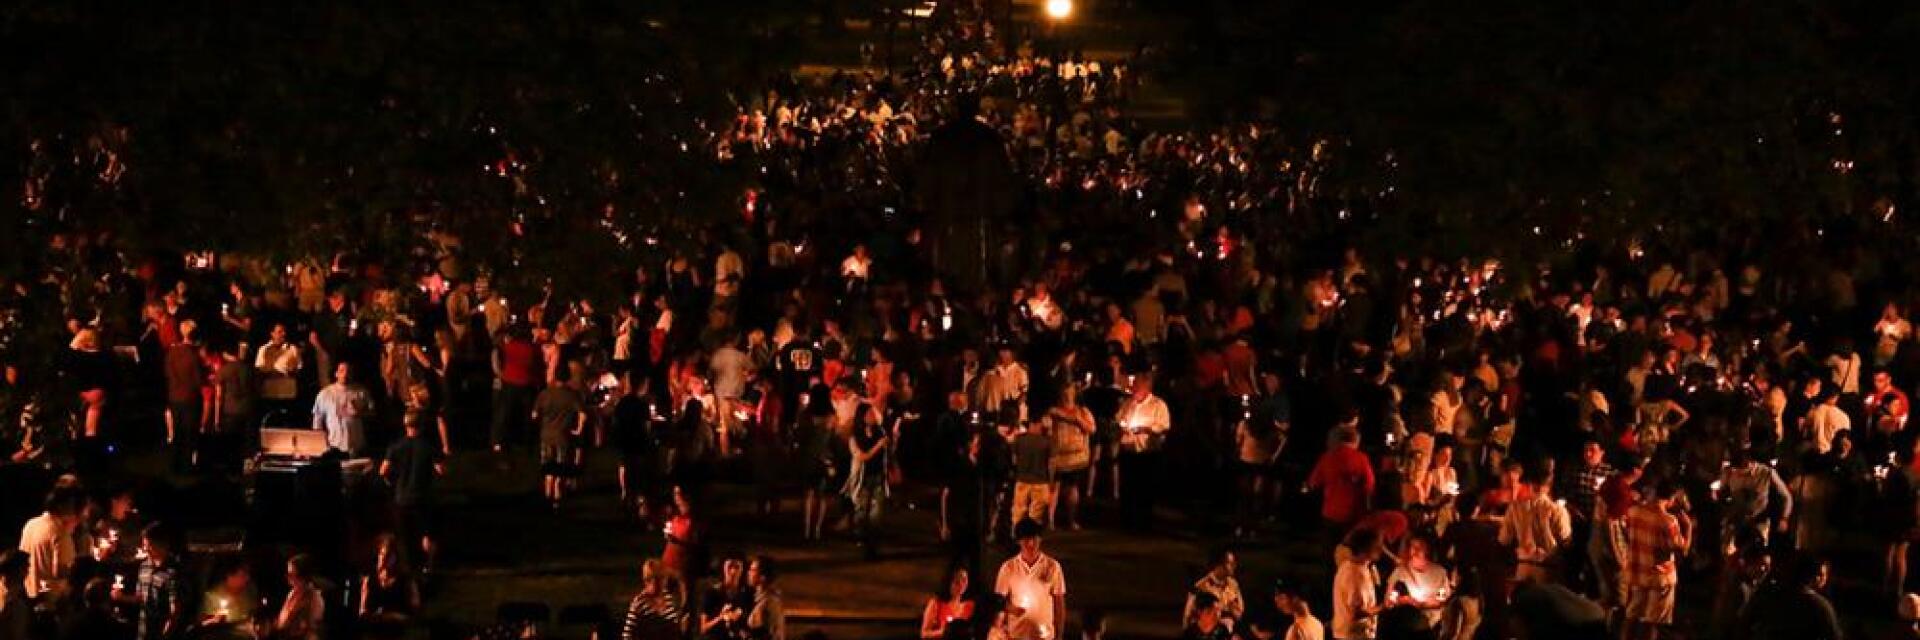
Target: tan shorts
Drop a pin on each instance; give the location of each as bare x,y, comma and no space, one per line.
1030,501
1651,605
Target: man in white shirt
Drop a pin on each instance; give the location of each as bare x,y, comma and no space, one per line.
278,362
1005,383
1144,423
341,410
1845,365
729,367
857,267
1287,600
47,540
1035,587
1143,418
1356,588
1219,583
1824,420
1536,527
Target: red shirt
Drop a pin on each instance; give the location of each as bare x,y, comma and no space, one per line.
1209,369
1240,364
518,362
1895,412
1345,476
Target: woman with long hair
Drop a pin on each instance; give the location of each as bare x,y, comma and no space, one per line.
867,478
1072,454
684,555
389,596
657,610
948,605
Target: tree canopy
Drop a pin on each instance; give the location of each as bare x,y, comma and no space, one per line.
1509,114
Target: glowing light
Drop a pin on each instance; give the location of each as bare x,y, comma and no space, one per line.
1059,9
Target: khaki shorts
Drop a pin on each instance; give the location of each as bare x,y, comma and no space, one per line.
1030,501
1651,605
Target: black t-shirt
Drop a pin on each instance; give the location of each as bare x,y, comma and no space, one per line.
865,437
412,461
798,362
633,426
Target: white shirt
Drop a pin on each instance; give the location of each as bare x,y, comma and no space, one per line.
623,339
278,361
1306,627
730,367
1823,421
1141,418
1355,588
1032,587
1445,406
1427,584
856,267
1044,310
49,552
1536,528
340,410
1846,372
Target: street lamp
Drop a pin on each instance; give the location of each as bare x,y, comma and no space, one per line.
1059,9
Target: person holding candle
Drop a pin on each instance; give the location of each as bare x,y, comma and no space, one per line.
1442,487
159,590
726,601
948,606
685,551
1220,585
1206,622
48,541
1144,422
1034,585
1423,586
227,607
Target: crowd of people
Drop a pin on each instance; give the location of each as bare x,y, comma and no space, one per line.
1578,447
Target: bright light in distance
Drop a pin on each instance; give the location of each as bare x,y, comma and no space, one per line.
1059,9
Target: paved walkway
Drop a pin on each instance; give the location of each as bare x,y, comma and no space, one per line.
501,545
